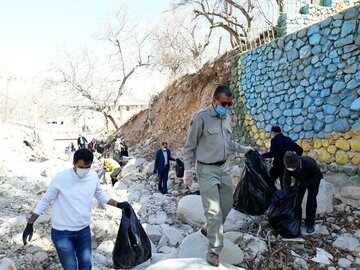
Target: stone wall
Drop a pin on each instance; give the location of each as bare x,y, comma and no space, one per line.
307,82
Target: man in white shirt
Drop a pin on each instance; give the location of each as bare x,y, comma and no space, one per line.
71,192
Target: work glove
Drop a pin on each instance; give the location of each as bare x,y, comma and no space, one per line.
28,232
188,178
248,149
122,205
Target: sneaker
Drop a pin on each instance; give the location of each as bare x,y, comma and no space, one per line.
203,230
213,259
310,229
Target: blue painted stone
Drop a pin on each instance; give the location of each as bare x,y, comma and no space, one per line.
347,101
312,109
259,102
268,116
355,106
294,136
318,126
308,101
315,39
271,107
308,125
316,50
296,112
305,51
329,119
268,128
332,68
325,93
313,29
348,27
353,84
321,135
327,61
342,125
302,135
309,135
298,104
328,83
281,120
299,89
282,106
333,54
289,121
253,111
319,101
273,121
288,112
299,120
308,71
277,113
329,109
320,115
286,128
301,95
292,97
333,100
277,99
314,93
261,117
262,125
277,54
299,43
267,83
292,54
329,128
264,95
298,128
337,87
344,113
344,94
315,59
344,41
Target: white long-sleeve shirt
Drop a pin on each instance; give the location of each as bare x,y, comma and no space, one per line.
72,197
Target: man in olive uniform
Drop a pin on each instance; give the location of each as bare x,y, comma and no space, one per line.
209,143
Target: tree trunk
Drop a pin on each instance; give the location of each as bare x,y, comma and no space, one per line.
108,116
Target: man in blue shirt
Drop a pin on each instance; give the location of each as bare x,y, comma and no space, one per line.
162,166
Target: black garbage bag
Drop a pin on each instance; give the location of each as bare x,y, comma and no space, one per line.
179,168
253,193
132,246
281,214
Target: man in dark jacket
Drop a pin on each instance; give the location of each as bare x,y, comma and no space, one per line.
307,175
279,145
82,142
162,166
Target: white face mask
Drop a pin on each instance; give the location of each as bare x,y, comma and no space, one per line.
291,169
82,172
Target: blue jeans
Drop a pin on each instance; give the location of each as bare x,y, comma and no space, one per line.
73,248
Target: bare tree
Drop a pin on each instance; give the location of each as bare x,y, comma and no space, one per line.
236,17
180,43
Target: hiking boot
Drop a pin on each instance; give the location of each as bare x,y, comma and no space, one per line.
213,259
310,229
203,230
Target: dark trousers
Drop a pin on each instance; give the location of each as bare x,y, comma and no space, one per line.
162,181
277,172
311,203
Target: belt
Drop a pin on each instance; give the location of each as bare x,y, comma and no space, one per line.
218,163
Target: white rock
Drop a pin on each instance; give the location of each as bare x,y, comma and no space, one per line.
234,237
236,220
190,210
324,198
132,166
300,264
164,241
346,242
156,257
7,264
106,247
158,218
252,246
231,253
322,256
188,263
344,263
99,258
166,249
172,234
351,192
152,232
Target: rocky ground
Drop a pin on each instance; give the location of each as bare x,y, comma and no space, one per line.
171,221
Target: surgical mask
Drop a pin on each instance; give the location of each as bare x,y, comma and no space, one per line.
82,172
221,110
291,169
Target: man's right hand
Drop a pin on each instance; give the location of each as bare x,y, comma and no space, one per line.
28,232
188,178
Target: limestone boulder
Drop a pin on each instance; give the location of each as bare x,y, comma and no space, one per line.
188,249
351,192
190,210
189,263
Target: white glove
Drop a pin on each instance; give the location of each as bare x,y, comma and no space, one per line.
188,178
248,149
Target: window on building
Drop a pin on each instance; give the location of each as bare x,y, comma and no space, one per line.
128,108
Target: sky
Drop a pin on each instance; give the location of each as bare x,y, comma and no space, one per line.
31,32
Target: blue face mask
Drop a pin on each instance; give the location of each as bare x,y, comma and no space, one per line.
221,110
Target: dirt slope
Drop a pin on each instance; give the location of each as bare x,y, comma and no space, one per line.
169,113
